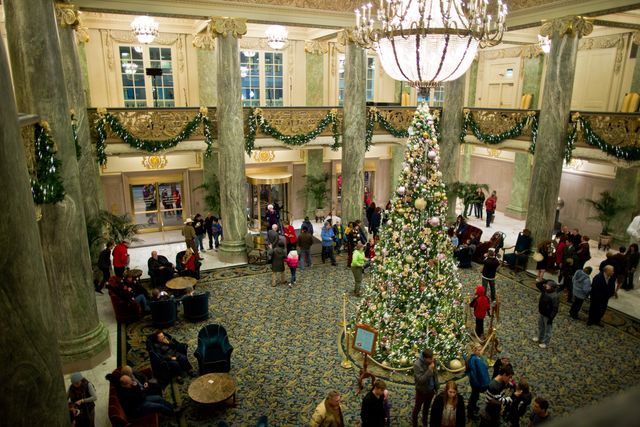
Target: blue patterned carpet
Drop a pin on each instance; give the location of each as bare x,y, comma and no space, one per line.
288,348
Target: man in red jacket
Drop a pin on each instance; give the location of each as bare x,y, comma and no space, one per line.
120,258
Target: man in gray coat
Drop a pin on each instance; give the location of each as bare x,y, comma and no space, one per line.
426,379
581,288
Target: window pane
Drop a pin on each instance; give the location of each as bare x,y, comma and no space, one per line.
132,75
154,53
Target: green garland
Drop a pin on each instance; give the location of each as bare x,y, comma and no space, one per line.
74,129
148,145
375,116
257,121
492,139
590,137
46,184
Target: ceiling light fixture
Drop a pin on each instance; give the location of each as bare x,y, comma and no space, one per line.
545,43
145,28
249,53
277,36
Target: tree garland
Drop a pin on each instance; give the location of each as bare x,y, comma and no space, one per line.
595,140
46,183
258,121
492,139
148,145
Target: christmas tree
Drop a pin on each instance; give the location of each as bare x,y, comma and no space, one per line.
414,298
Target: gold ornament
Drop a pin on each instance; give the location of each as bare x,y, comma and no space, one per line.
409,259
420,204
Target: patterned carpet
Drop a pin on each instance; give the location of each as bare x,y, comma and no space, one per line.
288,348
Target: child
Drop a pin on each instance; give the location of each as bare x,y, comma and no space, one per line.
520,403
292,262
369,252
216,230
481,308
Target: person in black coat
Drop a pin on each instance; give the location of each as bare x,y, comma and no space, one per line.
372,411
104,264
447,408
603,287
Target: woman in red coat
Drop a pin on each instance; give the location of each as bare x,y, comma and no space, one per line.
490,206
189,263
290,236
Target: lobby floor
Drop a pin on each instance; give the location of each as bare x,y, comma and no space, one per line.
170,243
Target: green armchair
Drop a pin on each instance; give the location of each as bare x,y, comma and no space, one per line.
214,350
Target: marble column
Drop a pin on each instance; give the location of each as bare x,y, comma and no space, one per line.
31,365
315,78
38,79
465,166
354,130
314,168
533,78
520,182
554,115
231,138
626,188
450,129
473,84
397,157
635,80
90,184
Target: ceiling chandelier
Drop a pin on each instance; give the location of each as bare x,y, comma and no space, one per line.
249,53
145,28
545,43
425,42
276,36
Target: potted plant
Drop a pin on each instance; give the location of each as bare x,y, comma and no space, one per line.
109,227
317,189
467,192
606,207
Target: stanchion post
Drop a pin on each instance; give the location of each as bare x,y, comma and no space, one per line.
346,364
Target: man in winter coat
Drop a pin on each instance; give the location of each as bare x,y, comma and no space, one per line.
478,373
602,288
548,308
372,410
581,288
328,413
426,379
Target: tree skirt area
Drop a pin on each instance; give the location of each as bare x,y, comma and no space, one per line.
288,347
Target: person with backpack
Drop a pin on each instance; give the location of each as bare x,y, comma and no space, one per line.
478,373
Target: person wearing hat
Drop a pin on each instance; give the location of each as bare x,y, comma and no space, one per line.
82,395
189,233
357,267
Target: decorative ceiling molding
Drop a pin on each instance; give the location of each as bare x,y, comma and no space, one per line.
616,24
336,5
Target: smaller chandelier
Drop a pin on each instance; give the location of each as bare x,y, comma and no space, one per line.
276,36
249,53
545,43
145,28
129,68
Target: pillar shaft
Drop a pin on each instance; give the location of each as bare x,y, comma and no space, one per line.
207,77
554,114
40,89
231,142
450,129
92,199
314,168
520,182
465,167
397,157
626,189
315,79
354,125
30,360
533,78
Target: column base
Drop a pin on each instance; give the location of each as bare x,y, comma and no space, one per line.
86,351
516,212
233,251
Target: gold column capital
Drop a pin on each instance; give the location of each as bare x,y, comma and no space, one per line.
223,26
346,36
573,26
68,16
635,38
204,40
316,47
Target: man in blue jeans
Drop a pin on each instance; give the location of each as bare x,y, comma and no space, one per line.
478,373
328,235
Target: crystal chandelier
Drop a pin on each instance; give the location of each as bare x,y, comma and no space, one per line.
145,28
545,43
249,53
276,36
425,42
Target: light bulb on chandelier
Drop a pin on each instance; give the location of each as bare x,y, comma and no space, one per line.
425,42
145,28
276,36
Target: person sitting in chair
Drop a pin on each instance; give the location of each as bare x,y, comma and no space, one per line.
189,264
127,294
137,402
168,349
522,249
160,268
463,254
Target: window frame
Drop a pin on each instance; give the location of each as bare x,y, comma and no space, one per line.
263,77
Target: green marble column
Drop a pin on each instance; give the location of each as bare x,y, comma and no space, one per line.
315,79
354,130
532,78
473,83
465,167
397,157
450,129
211,171
315,169
82,55
520,182
30,362
38,79
231,139
635,80
554,115
626,187
92,198
207,77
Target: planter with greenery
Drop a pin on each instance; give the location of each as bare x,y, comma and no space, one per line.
109,227
606,207
316,189
467,192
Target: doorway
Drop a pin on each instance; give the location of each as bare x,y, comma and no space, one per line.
156,202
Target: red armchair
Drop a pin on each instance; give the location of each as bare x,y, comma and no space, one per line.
126,311
117,415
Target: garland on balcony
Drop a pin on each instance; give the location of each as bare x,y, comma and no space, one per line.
492,139
149,145
582,124
74,129
258,121
46,183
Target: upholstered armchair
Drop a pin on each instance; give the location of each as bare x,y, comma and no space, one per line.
196,307
159,366
180,268
163,313
496,242
214,350
519,258
117,416
125,311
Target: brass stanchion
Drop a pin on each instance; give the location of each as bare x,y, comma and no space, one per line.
345,360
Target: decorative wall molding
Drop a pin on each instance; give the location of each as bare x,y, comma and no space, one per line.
573,26
606,42
316,47
154,162
222,26
124,37
264,156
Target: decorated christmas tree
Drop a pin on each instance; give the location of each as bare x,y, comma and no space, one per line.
414,298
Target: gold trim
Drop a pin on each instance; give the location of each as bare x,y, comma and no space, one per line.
223,26
150,179
316,47
573,26
264,156
254,180
154,162
67,15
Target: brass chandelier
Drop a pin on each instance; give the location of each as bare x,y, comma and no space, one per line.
425,42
